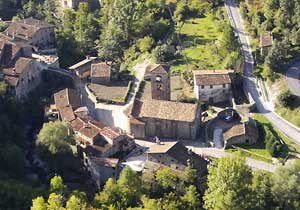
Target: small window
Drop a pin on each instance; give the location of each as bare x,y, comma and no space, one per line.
224,91
159,87
158,78
202,86
211,86
224,85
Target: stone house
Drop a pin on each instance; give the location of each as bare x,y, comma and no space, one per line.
11,50
101,72
83,68
175,156
165,119
23,77
243,133
159,75
266,42
213,86
102,169
66,101
33,32
101,147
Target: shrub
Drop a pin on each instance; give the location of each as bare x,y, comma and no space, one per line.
146,44
286,99
3,26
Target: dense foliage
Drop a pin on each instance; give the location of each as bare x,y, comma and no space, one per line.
231,185
281,17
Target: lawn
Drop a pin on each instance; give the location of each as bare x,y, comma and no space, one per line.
291,114
292,148
198,36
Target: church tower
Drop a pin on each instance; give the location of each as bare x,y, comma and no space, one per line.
160,82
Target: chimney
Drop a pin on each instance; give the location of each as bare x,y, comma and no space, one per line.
88,57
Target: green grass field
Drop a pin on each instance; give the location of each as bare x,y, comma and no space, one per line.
292,148
198,36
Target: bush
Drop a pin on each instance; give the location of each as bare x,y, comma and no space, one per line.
146,44
286,99
3,26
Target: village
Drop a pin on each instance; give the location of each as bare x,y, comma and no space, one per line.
121,119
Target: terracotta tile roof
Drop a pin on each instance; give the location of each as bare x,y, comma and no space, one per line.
77,124
67,97
212,77
101,69
157,68
107,162
112,133
162,147
67,114
169,110
266,40
89,131
97,124
26,28
240,130
180,153
81,111
22,63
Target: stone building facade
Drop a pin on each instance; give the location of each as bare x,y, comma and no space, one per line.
165,119
176,156
33,32
243,133
159,76
23,77
11,50
213,86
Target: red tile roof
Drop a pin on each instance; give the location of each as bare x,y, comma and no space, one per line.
101,69
266,39
240,130
26,28
212,77
169,110
67,97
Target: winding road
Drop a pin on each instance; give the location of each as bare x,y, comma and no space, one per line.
251,87
292,78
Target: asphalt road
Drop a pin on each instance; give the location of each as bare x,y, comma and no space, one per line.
250,86
293,78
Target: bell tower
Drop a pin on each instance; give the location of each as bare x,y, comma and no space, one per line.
160,82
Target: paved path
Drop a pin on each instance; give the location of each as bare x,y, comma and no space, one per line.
284,126
293,78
